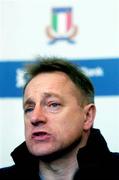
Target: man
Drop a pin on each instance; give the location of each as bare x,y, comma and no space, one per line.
60,141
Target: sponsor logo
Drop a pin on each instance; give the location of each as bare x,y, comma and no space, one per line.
20,78
93,72
62,27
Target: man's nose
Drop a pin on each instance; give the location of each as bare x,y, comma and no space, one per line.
38,117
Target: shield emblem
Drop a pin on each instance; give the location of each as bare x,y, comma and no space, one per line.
61,20
62,27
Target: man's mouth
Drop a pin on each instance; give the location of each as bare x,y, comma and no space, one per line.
41,136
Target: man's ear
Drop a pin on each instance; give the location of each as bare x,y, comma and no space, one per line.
89,116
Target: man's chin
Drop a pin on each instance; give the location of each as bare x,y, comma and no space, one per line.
48,153
45,153
40,153
55,155
51,156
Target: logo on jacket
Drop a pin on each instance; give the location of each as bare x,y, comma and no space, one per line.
62,27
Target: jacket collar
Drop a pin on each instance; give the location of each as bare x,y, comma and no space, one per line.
96,151
24,159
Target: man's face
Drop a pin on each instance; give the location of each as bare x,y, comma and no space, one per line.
53,116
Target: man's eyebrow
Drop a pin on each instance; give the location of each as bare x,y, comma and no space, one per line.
50,94
29,101
46,95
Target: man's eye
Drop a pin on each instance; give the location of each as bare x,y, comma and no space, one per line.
28,110
53,107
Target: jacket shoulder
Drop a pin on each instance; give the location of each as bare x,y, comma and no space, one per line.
115,157
115,165
8,173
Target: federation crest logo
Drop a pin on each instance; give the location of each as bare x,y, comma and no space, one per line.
62,27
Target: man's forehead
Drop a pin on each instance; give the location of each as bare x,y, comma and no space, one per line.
51,84
51,76
51,81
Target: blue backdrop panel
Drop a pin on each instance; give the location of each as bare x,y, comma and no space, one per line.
104,74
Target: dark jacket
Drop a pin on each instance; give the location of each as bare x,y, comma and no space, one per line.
95,160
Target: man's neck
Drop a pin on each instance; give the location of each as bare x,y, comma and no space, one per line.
61,169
